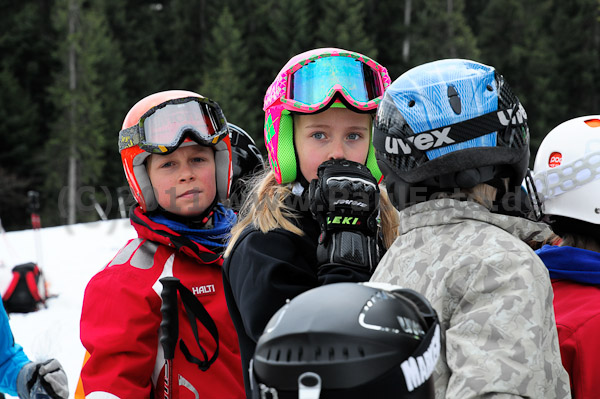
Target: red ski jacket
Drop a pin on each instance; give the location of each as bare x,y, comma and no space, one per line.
578,323
575,276
121,316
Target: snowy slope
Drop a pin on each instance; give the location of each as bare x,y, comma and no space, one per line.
70,256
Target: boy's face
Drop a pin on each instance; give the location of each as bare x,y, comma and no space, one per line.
336,133
184,181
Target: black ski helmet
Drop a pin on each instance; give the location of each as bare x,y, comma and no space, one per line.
450,124
348,340
246,160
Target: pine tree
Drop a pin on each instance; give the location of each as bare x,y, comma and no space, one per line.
285,32
575,35
391,33
141,32
441,31
228,81
184,34
536,86
525,56
505,19
18,122
26,45
86,93
341,23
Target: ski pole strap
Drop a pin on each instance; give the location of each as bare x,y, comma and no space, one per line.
196,311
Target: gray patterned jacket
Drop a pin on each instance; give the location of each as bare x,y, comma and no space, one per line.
492,294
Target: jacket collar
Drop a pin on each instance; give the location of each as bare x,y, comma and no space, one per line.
161,234
449,211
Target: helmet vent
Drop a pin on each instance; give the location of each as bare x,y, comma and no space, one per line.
330,353
361,351
454,100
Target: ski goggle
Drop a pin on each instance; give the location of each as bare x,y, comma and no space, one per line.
163,128
312,84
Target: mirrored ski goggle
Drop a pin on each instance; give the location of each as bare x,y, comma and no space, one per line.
313,85
163,128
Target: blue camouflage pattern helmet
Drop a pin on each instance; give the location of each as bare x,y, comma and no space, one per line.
450,124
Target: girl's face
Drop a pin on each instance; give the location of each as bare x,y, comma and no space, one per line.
336,133
184,181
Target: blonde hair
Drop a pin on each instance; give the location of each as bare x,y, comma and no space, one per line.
266,209
482,193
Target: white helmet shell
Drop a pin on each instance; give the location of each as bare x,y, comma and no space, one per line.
567,170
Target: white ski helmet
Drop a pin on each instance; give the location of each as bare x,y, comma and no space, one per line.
567,170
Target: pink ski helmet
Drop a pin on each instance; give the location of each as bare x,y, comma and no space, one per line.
310,82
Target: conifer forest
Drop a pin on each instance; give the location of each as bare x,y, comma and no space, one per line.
71,69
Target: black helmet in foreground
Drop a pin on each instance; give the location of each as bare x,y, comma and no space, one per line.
349,340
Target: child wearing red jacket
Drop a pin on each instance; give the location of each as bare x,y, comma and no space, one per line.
177,158
567,179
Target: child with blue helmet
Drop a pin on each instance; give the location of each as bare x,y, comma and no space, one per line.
451,139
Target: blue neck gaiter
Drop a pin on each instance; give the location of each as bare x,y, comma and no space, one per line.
576,264
223,219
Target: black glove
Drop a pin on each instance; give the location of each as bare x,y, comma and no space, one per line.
46,380
344,200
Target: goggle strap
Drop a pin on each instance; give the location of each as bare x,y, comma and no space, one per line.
132,136
460,132
129,137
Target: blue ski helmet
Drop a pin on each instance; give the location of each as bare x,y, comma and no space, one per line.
349,340
450,124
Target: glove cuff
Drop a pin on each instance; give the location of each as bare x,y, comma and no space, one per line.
24,378
350,248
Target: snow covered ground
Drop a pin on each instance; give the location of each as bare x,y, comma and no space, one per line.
69,256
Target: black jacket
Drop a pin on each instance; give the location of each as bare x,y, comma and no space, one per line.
265,269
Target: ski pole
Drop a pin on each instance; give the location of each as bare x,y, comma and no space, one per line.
36,224
169,327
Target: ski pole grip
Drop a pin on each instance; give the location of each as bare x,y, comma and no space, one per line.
170,322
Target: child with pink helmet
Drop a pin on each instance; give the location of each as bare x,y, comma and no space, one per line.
317,215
